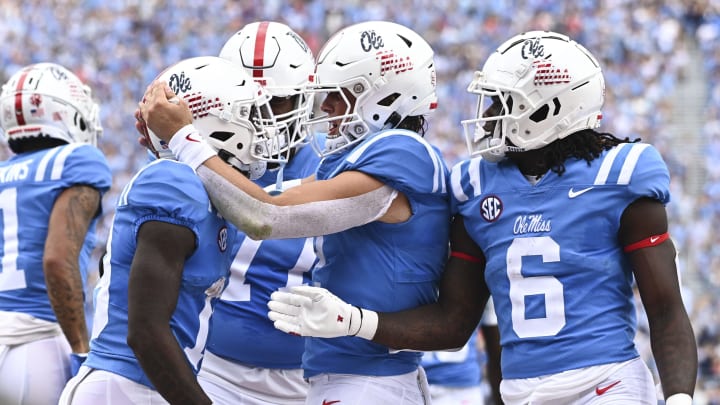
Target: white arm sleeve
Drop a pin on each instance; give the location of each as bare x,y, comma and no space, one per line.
261,220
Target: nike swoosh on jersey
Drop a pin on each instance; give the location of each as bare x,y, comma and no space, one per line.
191,138
603,390
326,402
572,193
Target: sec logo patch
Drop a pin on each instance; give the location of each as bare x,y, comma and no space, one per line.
490,208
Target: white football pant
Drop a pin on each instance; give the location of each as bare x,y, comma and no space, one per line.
230,383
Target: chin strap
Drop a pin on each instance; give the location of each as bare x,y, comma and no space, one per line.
279,180
496,154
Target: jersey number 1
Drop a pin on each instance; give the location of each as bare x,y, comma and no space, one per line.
11,278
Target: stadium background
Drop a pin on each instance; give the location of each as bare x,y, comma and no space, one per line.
661,62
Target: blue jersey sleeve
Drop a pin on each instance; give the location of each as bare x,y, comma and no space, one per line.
403,160
85,164
167,191
464,182
650,177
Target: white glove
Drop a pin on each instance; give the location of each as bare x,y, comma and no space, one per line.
315,311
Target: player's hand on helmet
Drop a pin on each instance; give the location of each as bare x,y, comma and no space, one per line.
163,112
315,311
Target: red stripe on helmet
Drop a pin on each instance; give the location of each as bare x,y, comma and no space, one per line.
19,116
259,56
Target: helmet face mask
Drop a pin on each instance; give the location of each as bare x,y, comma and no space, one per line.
278,59
345,128
549,87
232,114
47,100
384,70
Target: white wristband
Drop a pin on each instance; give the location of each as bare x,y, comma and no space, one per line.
679,399
368,323
189,147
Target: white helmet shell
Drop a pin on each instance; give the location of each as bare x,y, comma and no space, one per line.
544,87
387,67
277,58
47,100
229,109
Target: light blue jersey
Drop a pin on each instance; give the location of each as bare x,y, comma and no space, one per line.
556,271
240,328
168,191
460,368
382,266
29,185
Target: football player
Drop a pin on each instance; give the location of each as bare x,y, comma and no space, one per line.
50,199
169,253
248,361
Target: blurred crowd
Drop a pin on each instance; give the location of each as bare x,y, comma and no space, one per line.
651,51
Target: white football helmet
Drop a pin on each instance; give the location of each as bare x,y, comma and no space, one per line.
279,59
47,100
229,109
536,88
387,67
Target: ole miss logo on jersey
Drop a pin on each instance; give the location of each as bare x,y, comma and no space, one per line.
491,207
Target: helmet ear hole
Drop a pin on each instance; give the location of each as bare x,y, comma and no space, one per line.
394,119
387,101
79,121
510,103
221,136
541,113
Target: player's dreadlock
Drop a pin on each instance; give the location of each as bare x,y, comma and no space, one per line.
415,123
23,145
586,144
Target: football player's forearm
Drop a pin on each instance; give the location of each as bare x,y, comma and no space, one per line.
264,220
65,291
166,366
425,328
69,222
444,325
675,352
